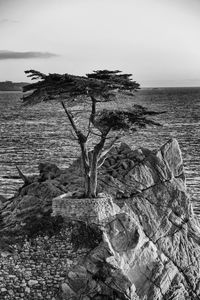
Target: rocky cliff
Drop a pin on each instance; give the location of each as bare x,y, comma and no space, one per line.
150,237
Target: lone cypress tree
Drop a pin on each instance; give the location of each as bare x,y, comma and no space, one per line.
99,86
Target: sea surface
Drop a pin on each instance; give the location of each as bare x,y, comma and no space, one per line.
29,135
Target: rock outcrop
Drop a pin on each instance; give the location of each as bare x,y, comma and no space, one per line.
150,236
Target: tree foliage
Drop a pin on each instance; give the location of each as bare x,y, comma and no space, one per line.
100,84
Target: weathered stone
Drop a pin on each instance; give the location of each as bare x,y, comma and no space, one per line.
67,292
137,155
48,171
150,248
32,282
171,154
123,232
145,237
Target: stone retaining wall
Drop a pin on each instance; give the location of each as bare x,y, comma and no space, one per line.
91,210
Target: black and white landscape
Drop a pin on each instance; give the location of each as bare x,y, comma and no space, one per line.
99,169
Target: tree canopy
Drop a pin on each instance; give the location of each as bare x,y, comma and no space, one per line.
102,84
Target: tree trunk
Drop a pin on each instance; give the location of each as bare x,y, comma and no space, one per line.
86,169
90,178
90,166
87,180
94,166
93,177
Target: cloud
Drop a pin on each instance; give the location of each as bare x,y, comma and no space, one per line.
6,54
4,21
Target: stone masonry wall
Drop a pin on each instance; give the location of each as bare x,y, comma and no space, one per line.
92,210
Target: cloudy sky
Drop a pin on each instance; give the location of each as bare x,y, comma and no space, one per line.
155,40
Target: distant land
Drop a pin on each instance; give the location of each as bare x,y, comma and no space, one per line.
11,86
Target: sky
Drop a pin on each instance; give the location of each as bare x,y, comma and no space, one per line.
155,40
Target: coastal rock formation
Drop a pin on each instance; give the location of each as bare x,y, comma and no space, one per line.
151,239
150,236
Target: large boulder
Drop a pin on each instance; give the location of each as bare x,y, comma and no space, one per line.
153,240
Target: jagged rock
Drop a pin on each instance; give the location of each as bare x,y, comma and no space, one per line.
152,239
123,233
171,155
48,171
153,167
67,292
95,277
34,201
151,243
139,154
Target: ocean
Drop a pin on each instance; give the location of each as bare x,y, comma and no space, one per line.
29,135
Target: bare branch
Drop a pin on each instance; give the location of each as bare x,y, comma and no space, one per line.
91,131
81,137
103,155
70,117
89,128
